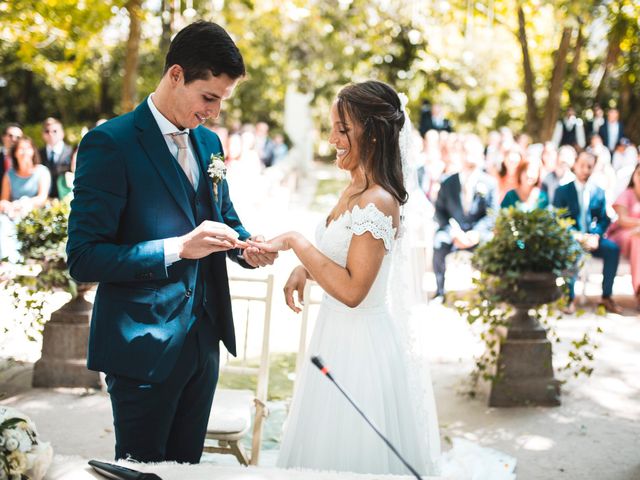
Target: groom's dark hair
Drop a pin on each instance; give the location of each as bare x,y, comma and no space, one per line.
203,49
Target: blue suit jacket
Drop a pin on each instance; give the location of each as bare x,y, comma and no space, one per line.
127,198
597,220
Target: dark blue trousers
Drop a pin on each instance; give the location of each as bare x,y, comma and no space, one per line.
609,252
167,421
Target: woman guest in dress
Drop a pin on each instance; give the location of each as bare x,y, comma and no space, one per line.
527,195
626,230
508,175
24,187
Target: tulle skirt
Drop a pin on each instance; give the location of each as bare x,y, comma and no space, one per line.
362,349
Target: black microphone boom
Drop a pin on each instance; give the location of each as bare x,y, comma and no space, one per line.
317,361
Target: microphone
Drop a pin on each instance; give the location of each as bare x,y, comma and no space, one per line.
118,472
317,361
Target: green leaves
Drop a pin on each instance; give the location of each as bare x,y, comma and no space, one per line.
43,237
523,242
535,241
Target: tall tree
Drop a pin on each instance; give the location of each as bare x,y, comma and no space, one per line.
129,90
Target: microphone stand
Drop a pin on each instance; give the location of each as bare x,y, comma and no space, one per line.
317,361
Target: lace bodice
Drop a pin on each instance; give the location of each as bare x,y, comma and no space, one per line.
334,240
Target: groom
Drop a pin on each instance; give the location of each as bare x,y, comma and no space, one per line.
147,226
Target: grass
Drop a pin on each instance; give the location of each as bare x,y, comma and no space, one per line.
327,192
280,387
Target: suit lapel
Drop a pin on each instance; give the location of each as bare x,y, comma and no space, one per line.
456,191
575,202
202,155
155,146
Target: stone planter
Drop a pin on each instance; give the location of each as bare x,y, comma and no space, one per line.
64,346
524,368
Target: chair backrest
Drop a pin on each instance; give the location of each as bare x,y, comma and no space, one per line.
247,293
312,298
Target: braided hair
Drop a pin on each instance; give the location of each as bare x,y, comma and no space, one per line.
375,106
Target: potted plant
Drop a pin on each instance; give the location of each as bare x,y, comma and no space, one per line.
516,294
42,234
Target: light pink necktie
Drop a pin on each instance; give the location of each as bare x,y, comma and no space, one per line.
183,153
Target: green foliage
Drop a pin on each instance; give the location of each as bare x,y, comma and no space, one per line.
535,241
523,242
42,234
66,58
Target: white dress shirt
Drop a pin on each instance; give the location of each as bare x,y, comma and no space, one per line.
57,151
171,245
613,132
583,200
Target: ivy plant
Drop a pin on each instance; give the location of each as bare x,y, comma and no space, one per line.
42,235
537,241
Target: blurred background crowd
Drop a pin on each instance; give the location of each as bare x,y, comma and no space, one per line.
558,83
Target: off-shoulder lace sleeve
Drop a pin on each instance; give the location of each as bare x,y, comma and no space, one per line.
370,219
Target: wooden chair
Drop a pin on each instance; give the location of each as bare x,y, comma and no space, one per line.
311,292
231,411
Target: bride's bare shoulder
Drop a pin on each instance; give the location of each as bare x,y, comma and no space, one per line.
381,199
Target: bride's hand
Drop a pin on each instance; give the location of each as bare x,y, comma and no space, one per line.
277,244
296,283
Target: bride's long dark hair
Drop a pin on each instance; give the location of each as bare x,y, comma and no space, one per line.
375,106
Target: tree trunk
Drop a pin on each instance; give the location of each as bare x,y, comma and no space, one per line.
552,106
613,51
577,53
532,109
134,8
22,107
105,102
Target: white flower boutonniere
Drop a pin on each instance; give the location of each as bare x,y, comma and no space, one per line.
217,171
481,190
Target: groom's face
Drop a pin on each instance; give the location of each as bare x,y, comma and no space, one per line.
197,101
344,137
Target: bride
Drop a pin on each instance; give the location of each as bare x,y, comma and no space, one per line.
356,334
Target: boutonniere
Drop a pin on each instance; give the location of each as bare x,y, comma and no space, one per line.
217,171
481,190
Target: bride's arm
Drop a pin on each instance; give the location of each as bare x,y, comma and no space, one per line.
349,284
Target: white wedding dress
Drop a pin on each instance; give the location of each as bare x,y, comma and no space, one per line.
366,350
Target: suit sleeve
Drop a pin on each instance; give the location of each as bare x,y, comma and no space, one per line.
231,218
100,196
442,214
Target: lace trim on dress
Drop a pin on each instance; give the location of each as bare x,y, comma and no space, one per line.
370,219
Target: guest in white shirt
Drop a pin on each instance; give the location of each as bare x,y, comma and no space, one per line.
612,130
56,155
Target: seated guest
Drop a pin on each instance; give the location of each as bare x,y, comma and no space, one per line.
612,130
462,209
507,176
527,195
625,232
12,132
560,173
24,187
587,206
56,155
569,131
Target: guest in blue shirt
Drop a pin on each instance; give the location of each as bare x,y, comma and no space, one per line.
586,205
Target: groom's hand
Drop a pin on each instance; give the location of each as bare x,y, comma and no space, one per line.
256,257
207,238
